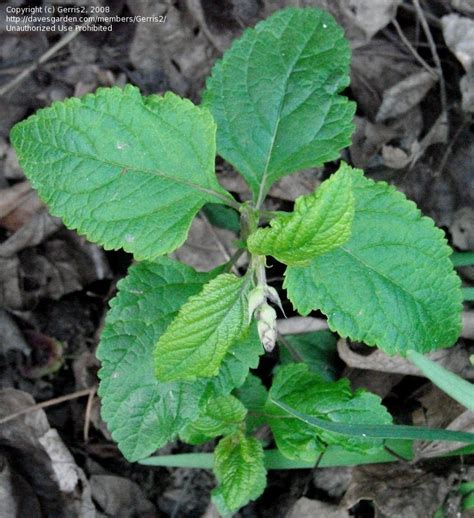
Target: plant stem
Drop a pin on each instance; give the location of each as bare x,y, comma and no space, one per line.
462,258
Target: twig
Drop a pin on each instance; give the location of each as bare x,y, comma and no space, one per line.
412,49
432,19
298,325
449,147
87,415
67,38
434,53
45,404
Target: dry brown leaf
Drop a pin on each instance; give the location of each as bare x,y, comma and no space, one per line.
462,228
17,205
294,185
465,6
17,497
458,32
361,26
367,141
306,508
467,91
11,338
33,232
397,490
120,497
207,246
455,359
10,290
60,485
405,95
440,411
375,68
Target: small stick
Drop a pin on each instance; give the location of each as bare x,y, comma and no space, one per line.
434,53
67,38
412,49
45,404
87,416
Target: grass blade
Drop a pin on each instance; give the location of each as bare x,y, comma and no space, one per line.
462,258
455,386
380,431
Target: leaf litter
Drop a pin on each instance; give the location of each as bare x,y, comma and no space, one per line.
402,137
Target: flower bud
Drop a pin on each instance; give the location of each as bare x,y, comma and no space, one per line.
255,299
266,325
272,294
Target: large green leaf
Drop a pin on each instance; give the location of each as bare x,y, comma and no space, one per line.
141,412
240,470
310,394
127,171
392,284
319,222
275,97
221,415
197,340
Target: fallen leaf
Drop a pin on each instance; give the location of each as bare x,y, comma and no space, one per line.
206,246
455,359
120,497
18,204
462,229
306,508
400,490
458,32
42,458
405,95
33,232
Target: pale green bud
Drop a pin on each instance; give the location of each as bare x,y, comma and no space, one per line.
272,294
266,325
255,299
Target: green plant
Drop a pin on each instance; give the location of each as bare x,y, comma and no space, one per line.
131,172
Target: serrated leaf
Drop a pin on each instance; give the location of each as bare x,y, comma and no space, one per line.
127,171
310,394
222,415
318,350
142,413
319,223
197,340
275,97
240,471
392,284
253,395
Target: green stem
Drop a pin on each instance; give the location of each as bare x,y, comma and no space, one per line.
462,258
468,294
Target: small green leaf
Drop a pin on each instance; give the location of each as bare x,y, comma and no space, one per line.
318,350
222,216
127,171
240,471
392,284
455,386
308,393
141,413
319,222
206,326
275,97
253,395
222,415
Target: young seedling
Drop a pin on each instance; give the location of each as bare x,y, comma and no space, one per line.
132,172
